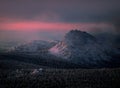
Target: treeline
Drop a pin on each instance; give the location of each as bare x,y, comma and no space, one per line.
54,78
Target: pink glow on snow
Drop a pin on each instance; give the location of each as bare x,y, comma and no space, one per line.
54,50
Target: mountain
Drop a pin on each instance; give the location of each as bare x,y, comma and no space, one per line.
84,49
6,45
78,49
34,53
34,47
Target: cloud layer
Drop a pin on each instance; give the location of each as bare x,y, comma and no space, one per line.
60,15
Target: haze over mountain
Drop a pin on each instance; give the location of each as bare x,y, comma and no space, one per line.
39,49
77,47
82,48
34,47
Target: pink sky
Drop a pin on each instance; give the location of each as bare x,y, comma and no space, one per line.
39,25
40,29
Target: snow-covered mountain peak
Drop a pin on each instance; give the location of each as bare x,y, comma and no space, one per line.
78,38
80,47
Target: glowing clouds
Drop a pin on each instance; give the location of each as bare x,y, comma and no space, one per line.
34,26
37,25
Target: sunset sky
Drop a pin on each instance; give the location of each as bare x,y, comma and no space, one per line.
52,18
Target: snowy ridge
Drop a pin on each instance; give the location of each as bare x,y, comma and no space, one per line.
35,46
82,48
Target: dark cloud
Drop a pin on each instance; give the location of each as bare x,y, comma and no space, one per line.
68,10
116,24
97,12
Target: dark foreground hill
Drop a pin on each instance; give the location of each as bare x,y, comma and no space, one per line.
21,60
60,78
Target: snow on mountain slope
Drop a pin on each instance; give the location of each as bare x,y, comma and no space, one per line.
34,46
82,48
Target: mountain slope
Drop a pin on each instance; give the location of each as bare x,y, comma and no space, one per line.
82,48
34,47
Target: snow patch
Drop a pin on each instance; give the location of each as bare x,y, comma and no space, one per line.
54,50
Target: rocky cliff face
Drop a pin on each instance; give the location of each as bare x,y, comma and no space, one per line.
82,48
77,47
